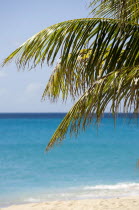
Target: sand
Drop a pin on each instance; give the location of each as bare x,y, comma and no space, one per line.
131,203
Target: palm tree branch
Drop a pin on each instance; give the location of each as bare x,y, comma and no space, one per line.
125,10
70,37
119,86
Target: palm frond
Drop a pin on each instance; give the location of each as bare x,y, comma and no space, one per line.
71,37
67,81
120,85
125,10
97,59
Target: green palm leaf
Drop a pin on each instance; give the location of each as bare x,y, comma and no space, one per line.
125,10
68,81
121,85
71,37
99,58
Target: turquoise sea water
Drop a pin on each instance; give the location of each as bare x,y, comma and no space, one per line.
98,164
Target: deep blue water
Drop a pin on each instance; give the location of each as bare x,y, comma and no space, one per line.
99,163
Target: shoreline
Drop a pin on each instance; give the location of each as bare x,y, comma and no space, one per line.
118,203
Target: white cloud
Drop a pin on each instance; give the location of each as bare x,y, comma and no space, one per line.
32,93
3,74
33,88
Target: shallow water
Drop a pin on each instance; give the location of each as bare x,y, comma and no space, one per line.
99,163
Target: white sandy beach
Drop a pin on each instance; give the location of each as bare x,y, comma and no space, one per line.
131,203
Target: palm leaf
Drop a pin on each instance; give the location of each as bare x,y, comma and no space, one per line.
97,59
121,85
71,37
67,81
125,10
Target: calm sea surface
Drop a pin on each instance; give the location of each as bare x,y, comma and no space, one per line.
99,163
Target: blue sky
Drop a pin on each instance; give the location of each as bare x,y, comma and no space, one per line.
19,20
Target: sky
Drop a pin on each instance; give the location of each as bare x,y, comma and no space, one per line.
21,91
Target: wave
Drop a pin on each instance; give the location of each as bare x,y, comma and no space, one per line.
77,193
96,191
118,186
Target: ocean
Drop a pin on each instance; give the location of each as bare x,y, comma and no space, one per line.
99,163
